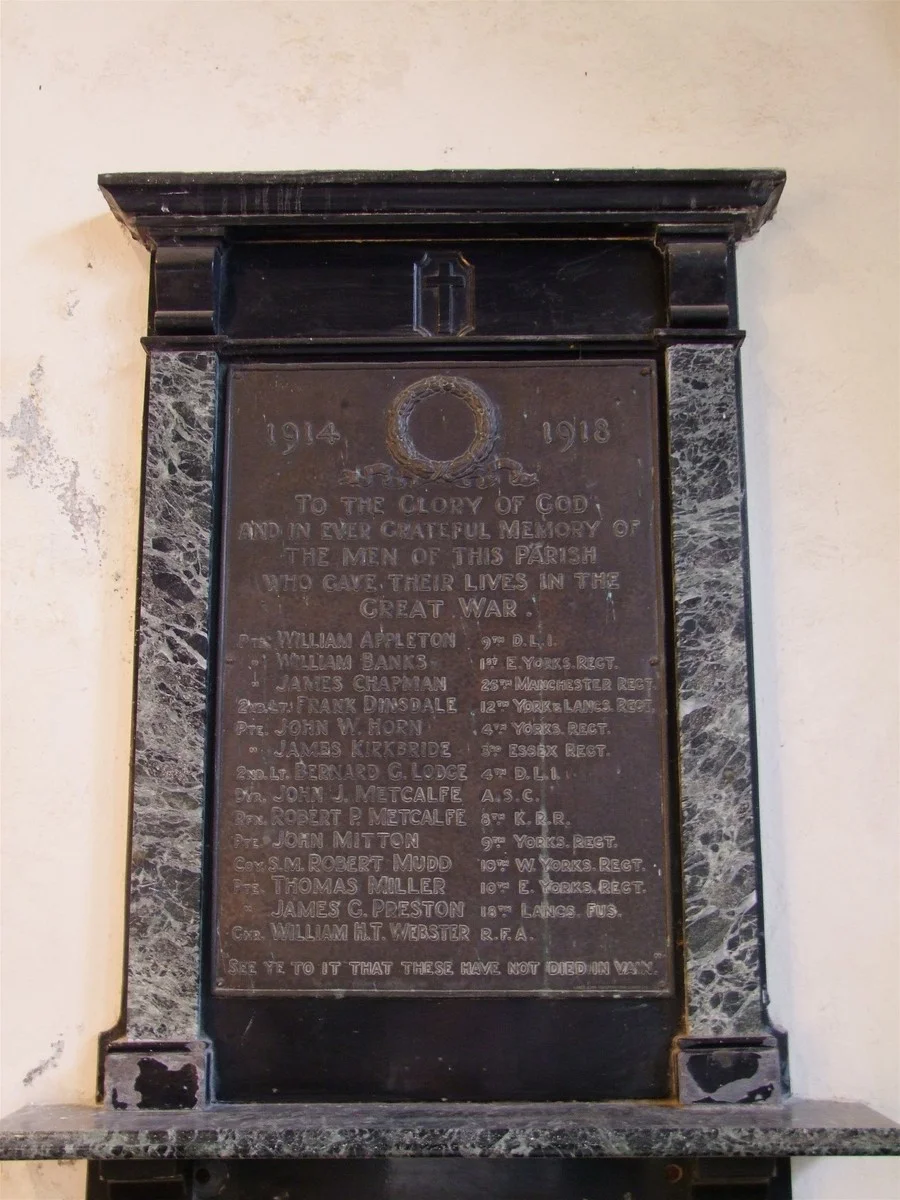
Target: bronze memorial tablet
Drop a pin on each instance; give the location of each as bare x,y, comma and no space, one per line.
442,754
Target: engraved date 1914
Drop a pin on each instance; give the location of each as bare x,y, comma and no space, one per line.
288,436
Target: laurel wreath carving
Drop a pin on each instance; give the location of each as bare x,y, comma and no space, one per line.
476,464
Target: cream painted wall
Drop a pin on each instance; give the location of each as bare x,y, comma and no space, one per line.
120,86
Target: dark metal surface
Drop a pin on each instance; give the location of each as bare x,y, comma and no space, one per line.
159,206
490,288
434,1179
464,1048
442,751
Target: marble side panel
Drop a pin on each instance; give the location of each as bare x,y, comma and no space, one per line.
799,1127
169,753
722,923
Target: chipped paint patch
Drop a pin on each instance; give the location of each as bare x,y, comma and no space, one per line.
46,1064
41,465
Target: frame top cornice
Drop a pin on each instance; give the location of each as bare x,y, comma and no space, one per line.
163,207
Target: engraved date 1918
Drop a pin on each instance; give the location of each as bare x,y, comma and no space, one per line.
565,434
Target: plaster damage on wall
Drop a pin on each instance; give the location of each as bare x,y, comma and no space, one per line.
46,1064
41,465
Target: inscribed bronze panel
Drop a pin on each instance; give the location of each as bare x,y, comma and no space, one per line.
442,731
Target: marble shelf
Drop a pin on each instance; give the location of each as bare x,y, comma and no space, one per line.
364,1131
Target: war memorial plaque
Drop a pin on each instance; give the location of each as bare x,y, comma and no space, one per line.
442,719
444,787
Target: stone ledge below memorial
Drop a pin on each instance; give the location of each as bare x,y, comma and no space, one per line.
364,1131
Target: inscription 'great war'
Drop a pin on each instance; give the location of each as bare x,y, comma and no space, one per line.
442,728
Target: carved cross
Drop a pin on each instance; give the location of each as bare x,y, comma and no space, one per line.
443,295
445,281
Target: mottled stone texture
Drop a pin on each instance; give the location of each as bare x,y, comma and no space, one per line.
722,922
738,1072
155,1075
170,740
451,1130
